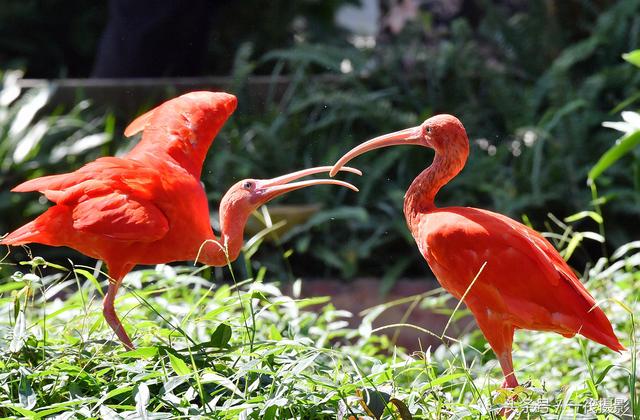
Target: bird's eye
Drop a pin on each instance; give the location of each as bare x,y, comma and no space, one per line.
428,129
248,185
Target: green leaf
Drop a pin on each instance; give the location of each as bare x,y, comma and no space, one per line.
142,400
221,336
179,366
575,53
632,57
114,393
223,292
445,379
211,377
11,286
89,276
26,394
26,413
274,334
604,374
592,389
621,148
571,247
256,294
19,333
56,408
583,214
140,353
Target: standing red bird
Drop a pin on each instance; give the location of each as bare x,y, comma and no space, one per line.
524,284
149,207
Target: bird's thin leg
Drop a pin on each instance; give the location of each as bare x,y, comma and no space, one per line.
499,334
506,364
110,313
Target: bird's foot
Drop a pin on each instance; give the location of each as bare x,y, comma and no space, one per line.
507,396
126,342
117,328
124,338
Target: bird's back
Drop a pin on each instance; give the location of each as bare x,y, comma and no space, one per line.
524,279
113,208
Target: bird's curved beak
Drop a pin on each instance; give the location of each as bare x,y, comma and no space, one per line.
268,189
411,135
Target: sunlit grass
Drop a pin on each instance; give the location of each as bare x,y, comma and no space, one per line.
250,351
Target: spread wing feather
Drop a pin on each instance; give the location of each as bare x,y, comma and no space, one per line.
110,196
139,124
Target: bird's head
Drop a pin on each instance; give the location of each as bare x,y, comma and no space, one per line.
441,132
247,195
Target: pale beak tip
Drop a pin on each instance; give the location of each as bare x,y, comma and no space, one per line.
348,185
354,170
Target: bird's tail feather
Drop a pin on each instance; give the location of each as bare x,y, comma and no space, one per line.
600,331
23,235
41,230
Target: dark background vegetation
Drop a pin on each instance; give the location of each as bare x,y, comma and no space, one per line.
532,82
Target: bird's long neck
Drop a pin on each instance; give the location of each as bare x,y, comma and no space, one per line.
219,252
419,198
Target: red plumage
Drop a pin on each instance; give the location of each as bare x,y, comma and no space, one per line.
522,282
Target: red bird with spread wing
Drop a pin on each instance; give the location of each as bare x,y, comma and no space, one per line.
149,207
522,282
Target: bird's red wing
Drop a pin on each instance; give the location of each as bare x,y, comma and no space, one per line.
522,267
121,217
571,306
96,178
50,182
549,257
110,196
525,282
139,124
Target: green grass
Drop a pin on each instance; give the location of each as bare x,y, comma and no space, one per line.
250,350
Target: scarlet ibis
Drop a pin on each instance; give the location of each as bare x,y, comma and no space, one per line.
149,207
524,284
